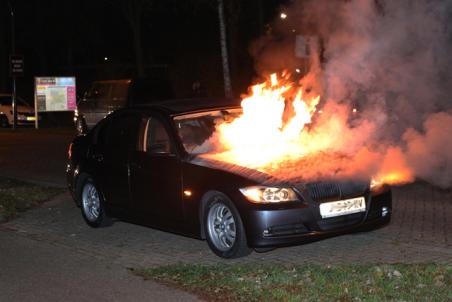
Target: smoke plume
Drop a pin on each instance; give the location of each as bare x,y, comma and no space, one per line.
389,59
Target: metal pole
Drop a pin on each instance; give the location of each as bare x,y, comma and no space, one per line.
36,107
13,51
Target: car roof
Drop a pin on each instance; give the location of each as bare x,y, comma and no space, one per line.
184,106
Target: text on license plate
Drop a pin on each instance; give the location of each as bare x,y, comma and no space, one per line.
342,207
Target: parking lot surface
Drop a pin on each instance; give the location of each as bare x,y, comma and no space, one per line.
419,233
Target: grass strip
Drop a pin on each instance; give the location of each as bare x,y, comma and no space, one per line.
277,282
17,196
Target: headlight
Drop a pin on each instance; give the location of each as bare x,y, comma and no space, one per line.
260,194
377,187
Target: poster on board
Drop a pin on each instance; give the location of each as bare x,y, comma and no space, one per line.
55,94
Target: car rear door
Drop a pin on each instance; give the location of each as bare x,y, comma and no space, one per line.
156,183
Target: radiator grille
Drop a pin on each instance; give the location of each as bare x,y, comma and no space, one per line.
322,191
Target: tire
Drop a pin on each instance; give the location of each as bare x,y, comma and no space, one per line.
4,121
92,204
224,229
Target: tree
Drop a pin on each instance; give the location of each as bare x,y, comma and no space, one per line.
133,11
224,51
3,51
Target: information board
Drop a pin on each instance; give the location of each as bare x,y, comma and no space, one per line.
55,94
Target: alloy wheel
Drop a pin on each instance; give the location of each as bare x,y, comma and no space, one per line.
90,202
221,226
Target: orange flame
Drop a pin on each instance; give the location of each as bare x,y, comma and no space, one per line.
260,137
271,136
394,169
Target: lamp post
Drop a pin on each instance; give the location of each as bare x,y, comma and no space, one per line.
13,51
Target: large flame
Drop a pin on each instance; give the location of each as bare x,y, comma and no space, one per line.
275,135
261,137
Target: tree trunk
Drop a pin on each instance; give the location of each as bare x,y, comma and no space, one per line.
139,61
260,17
4,68
133,10
224,51
38,40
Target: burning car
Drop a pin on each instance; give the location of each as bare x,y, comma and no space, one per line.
161,166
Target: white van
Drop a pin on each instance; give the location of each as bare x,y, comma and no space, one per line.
25,113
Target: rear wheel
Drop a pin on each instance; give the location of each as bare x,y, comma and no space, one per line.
92,205
224,229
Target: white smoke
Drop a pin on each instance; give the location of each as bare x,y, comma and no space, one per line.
392,60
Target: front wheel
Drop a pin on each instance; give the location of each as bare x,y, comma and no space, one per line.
92,205
224,228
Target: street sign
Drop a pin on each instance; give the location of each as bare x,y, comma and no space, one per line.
305,46
16,65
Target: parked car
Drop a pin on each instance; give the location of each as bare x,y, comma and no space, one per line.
25,113
103,97
144,165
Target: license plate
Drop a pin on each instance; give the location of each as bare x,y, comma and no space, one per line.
342,207
31,118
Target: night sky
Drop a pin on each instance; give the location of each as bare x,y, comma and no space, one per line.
95,40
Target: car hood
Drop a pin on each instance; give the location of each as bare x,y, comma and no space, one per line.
322,188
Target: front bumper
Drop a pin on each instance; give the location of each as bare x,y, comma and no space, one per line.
302,223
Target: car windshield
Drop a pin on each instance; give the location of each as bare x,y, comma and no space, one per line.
196,130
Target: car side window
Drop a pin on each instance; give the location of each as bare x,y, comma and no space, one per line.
157,140
123,132
98,91
119,93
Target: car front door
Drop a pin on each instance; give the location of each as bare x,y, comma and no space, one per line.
156,182
121,140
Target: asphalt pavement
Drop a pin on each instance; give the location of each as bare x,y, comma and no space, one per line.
37,155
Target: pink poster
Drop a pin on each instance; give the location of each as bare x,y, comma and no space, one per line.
71,98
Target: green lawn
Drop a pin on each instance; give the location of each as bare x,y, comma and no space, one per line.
256,282
17,196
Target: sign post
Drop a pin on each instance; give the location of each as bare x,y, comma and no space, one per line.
13,51
16,69
54,94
